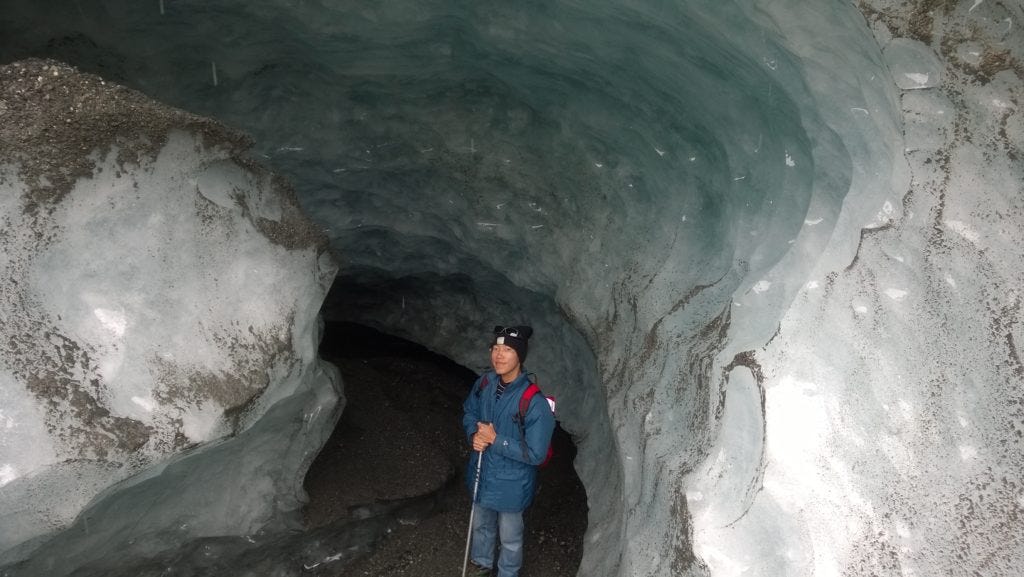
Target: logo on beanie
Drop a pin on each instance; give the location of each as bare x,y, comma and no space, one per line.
515,337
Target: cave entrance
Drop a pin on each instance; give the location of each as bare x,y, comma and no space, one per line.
400,438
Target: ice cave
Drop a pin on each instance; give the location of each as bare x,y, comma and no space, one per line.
770,249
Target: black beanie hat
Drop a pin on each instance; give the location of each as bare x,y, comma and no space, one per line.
515,337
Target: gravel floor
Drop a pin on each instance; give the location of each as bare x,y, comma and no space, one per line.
400,437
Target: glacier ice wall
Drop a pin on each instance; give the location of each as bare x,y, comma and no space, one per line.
880,431
159,307
768,245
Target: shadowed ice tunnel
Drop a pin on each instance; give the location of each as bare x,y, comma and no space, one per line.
688,201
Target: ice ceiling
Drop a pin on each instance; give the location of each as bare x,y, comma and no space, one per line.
772,268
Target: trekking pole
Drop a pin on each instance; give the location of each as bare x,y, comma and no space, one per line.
472,510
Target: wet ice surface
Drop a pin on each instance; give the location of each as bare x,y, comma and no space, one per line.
327,550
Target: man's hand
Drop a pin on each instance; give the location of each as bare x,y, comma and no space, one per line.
483,436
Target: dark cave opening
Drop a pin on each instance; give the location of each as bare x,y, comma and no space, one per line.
399,438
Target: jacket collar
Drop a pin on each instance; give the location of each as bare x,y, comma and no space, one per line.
513,391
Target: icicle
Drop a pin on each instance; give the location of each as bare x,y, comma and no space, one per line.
214,69
161,7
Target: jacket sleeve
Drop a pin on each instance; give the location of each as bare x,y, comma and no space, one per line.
471,411
540,424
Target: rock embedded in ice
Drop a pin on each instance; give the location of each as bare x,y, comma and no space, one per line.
159,296
913,65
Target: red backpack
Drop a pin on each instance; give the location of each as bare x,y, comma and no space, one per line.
524,405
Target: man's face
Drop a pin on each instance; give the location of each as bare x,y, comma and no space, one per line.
504,360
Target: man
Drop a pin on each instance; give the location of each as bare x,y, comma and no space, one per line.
510,452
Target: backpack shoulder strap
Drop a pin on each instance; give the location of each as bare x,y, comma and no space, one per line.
483,385
524,401
524,405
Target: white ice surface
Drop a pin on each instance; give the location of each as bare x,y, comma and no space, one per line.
890,400
169,312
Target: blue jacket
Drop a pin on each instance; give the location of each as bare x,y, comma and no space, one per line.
508,476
